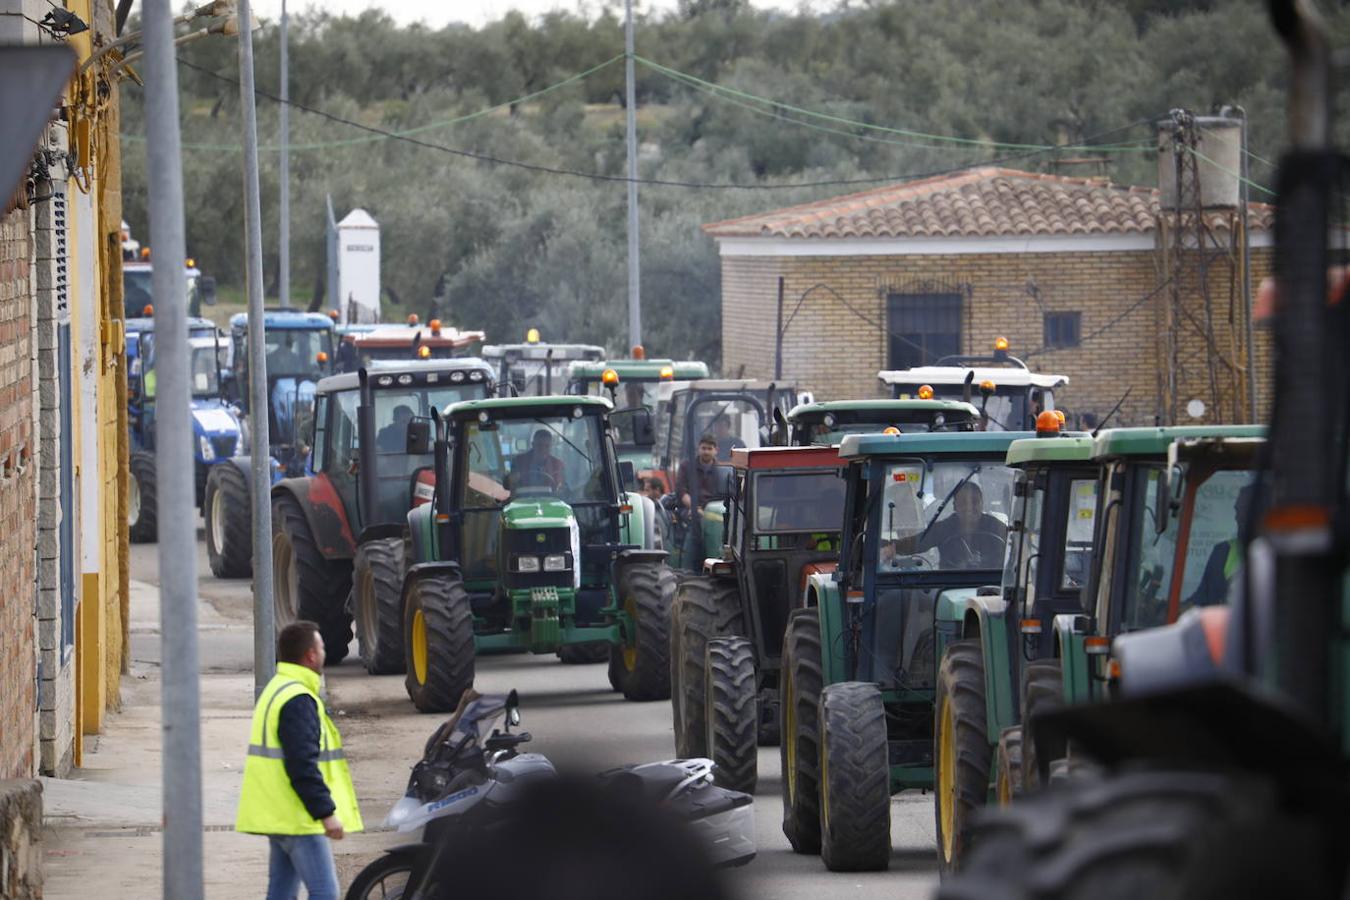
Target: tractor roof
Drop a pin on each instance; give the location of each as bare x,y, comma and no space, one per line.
786,458
347,381
728,385
948,375
521,407
637,369
403,336
285,319
561,352
1117,442
882,409
1071,446
144,324
946,443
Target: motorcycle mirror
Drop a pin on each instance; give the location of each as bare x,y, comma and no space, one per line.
513,708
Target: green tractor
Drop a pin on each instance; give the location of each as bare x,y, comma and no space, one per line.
631,383
530,544
830,421
337,544
926,518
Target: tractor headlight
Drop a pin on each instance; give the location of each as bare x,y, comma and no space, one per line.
527,564
556,562
208,452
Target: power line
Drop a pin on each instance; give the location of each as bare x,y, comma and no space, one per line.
661,182
1093,335
1227,171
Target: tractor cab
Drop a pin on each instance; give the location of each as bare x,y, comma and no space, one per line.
140,336
1009,396
632,384
829,422
531,527
364,346
537,369
138,287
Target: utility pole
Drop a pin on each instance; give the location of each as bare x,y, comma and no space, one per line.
630,107
264,650
179,692
284,175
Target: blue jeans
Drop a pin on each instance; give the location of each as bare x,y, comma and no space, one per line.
300,858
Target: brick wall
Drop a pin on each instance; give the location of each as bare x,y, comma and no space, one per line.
17,496
836,338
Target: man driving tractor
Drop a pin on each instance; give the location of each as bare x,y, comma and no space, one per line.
970,538
537,467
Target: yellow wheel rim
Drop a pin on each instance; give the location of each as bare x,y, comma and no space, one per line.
789,735
630,646
946,794
1004,787
419,646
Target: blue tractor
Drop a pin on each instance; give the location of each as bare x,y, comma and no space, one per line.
299,347
215,429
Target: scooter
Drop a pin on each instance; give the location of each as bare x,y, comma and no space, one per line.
472,771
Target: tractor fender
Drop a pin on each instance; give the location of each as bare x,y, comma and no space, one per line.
978,614
379,532
421,534
636,526
323,511
825,569
245,466
1069,631
628,557
422,569
822,592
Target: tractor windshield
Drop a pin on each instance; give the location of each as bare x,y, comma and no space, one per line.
205,368
395,408
295,352
799,501
734,423
555,456
945,515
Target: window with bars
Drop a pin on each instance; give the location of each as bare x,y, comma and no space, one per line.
923,328
1063,329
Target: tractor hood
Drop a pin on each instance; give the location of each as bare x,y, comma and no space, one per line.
541,527
214,421
540,513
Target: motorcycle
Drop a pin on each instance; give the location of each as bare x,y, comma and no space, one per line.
472,772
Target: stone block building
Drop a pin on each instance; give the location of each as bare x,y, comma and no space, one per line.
1084,278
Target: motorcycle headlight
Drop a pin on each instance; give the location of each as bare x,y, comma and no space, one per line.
208,452
556,562
527,564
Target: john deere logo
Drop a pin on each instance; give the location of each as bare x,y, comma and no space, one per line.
541,537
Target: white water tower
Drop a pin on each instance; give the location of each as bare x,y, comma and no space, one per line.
358,269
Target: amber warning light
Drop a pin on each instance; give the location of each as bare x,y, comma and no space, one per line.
925,392
610,377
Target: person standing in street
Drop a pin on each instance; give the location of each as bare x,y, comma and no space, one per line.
696,483
297,788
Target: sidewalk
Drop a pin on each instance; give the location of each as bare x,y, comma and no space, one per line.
102,835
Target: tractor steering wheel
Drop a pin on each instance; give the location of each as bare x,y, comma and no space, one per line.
971,551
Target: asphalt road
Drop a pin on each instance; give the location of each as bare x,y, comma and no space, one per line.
576,720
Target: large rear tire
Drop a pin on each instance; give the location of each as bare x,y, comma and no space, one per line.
799,686
143,511
705,608
732,713
377,585
642,662
855,779
1008,766
1161,835
438,630
308,586
228,512
961,753
1042,692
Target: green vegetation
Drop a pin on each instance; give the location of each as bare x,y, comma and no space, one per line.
504,248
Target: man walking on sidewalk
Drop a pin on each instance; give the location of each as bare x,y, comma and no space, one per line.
297,788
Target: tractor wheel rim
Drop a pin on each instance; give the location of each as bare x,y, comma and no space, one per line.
217,522
946,795
133,500
419,646
630,652
1004,786
789,735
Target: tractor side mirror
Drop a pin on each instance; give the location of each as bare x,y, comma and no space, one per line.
419,441
634,425
206,286
628,475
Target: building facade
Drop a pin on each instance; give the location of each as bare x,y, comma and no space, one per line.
1074,272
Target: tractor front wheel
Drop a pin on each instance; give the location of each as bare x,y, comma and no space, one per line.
732,713
229,522
961,757
704,608
377,583
1042,692
142,505
584,654
855,779
1008,766
641,664
799,687
307,585
438,631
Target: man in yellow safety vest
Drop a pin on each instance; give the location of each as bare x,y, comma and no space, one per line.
297,788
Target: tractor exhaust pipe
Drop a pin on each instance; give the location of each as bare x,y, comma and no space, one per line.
441,460
366,463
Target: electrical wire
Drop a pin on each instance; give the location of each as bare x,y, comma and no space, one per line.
1093,335
1228,171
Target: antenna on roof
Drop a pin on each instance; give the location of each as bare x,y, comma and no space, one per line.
1115,409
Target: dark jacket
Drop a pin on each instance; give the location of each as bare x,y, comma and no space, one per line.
299,732
702,483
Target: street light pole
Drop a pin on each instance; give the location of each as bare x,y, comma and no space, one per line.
630,108
179,691
284,175
264,650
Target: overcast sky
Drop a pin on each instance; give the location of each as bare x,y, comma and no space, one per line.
477,12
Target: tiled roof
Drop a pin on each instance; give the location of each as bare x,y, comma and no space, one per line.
984,202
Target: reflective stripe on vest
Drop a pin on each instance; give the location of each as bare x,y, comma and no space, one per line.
1230,565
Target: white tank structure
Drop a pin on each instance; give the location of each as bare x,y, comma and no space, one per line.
358,269
1218,147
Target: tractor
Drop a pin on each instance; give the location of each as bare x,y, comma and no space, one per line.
360,346
138,277
299,350
1011,396
925,518
536,369
532,546
215,430
828,422
339,529
1224,748
631,383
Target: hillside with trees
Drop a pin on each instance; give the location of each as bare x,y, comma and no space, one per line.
870,93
